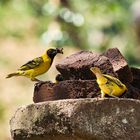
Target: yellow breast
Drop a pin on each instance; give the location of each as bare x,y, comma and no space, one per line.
41,69
44,67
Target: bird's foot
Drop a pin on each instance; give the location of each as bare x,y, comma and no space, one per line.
40,83
113,96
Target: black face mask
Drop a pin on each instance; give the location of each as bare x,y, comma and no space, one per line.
51,53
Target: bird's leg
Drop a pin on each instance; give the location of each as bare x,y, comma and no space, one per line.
113,96
38,84
102,94
35,79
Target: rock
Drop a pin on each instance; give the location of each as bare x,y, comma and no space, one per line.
119,64
136,77
44,92
133,87
77,66
78,119
132,92
72,89
68,89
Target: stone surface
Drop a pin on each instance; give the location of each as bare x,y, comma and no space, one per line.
136,77
132,92
43,92
78,119
68,89
119,64
133,87
72,89
77,66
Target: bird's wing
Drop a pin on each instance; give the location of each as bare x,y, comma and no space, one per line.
32,64
113,79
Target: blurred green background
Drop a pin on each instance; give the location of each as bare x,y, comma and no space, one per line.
29,27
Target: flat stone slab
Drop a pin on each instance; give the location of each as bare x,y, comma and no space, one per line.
78,119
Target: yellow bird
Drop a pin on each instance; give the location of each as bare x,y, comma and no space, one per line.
37,66
108,84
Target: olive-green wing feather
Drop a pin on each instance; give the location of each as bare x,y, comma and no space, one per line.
32,64
113,79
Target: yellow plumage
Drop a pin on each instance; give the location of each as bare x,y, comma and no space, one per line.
108,84
42,68
37,66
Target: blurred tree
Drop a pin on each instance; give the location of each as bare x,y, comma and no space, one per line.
72,22
95,25
3,2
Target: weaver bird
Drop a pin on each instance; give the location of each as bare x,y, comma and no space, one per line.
37,66
58,78
108,84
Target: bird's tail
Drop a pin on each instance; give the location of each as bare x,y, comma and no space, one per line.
13,74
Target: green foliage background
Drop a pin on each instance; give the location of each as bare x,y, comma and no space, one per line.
83,24
77,24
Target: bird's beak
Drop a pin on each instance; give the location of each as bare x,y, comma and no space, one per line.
95,70
92,69
59,50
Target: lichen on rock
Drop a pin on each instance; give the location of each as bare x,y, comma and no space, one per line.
78,119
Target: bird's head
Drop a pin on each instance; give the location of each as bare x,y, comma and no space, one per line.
95,70
53,52
59,78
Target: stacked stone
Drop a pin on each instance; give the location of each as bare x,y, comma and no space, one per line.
79,81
